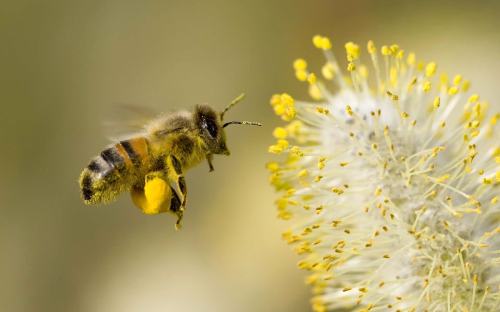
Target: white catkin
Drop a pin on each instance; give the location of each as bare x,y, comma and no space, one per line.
390,192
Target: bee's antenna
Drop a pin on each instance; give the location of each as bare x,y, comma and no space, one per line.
249,123
239,98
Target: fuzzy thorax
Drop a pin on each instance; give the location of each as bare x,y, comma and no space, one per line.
390,187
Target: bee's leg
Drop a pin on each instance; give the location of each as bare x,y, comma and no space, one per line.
181,181
175,207
154,196
155,174
210,157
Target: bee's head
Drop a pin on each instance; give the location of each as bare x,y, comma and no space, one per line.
212,131
210,123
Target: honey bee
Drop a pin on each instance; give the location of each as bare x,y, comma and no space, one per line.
168,146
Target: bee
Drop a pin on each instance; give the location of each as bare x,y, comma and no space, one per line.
167,147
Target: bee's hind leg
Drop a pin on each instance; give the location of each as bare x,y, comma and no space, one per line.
175,208
181,181
155,175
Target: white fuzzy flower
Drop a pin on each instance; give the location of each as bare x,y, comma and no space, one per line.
391,191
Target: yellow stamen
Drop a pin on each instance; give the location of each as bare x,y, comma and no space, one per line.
317,41
430,69
280,133
299,64
352,49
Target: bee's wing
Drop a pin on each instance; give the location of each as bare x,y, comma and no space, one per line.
127,121
171,123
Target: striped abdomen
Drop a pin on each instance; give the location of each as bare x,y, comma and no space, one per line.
114,171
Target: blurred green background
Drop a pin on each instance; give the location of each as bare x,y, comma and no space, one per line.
65,64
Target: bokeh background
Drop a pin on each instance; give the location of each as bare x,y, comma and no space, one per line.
64,65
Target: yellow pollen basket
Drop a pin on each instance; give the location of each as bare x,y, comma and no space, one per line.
154,198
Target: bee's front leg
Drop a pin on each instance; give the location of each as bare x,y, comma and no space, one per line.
178,174
210,157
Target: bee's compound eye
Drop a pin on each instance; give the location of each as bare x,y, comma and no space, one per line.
211,127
